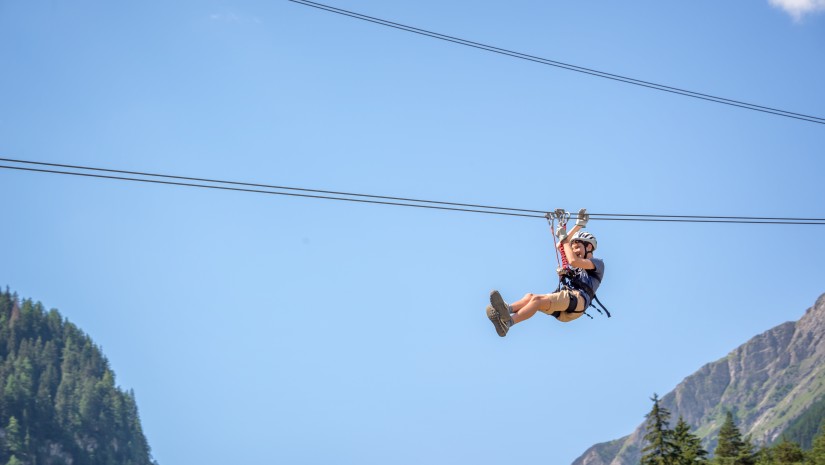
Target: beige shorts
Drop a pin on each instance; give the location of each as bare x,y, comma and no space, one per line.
559,301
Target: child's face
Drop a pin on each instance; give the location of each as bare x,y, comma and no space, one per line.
578,248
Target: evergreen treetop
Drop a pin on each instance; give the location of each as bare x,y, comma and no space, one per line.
59,401
688,445
660,448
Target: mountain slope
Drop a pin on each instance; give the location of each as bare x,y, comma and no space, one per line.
59,403
768,383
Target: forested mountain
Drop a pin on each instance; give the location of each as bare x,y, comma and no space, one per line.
774,385
59,403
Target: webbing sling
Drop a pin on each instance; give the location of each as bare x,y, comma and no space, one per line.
574,282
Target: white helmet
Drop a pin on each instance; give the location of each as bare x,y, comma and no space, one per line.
585,236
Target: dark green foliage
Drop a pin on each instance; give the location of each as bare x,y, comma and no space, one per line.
13,440
680,447
731,448
664,446
804,428
688,445
659,446
816,456
59,401
785,452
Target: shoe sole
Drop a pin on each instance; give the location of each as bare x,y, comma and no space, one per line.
492,314
500,307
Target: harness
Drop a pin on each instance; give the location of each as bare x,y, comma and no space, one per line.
568,279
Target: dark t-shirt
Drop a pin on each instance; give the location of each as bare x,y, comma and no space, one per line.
591,278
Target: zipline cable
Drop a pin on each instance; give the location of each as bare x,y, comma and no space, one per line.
268,186
385,200
570,67
607,216
257,191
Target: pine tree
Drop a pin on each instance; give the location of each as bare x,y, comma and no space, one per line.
747,455
689,446
14,438
765,457
787,452
816,456
660,449
731,448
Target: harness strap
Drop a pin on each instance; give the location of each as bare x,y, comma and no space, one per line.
577,284
574,302
600,304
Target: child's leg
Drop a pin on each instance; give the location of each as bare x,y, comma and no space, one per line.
517,305
528,306
547,303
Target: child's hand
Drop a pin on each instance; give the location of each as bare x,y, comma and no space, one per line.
582,218
561,233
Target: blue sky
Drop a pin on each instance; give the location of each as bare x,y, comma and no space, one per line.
260,329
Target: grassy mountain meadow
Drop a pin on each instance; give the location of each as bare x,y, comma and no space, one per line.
59,403
774,385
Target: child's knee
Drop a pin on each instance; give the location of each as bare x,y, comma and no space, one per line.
537,297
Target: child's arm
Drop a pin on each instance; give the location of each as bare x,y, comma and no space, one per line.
573,260
564,244
581,221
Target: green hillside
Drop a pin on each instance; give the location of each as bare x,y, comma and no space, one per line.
59,403
806,427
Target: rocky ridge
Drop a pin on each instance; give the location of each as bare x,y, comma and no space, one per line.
767,383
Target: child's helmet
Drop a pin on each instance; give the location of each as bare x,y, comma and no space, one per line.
585,236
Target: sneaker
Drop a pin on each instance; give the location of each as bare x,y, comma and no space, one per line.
501,307
501,328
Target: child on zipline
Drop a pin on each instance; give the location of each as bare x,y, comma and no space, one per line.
576,291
